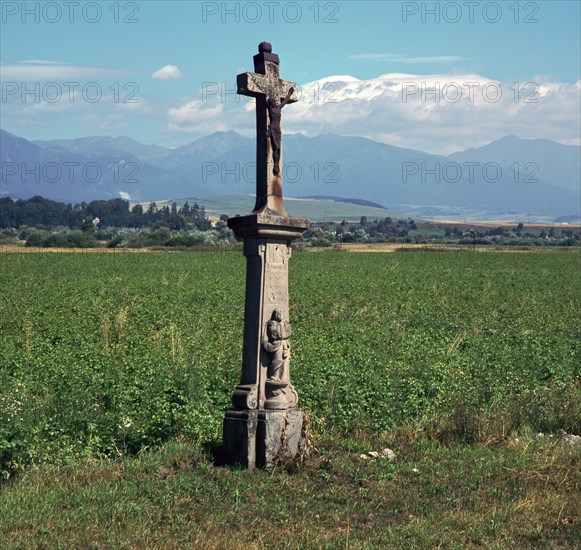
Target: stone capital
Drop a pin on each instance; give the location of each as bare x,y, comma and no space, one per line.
266,225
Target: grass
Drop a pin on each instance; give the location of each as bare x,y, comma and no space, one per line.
115,371
524,494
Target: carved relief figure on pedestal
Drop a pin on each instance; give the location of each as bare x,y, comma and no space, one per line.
277,344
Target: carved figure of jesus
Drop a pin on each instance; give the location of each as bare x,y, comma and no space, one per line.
274,131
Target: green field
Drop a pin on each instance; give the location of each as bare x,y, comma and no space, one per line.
444,356
313,209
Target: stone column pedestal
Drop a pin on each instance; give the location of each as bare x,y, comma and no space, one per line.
265,425
263,439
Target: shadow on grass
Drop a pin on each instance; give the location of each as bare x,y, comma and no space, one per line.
214,451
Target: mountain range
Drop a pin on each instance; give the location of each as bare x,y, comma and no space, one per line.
510,175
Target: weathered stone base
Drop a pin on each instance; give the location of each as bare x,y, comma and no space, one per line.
262,439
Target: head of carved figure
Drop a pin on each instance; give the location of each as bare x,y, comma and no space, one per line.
277,315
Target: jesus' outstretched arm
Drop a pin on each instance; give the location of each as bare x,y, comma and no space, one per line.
286,99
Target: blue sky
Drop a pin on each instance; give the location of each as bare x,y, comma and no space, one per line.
118,46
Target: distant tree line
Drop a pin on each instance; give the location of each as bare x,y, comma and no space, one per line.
104,213
114,223
409,231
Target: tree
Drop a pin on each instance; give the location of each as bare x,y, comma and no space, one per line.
164,212
159,224
137,217
88,226
113,212
7,213
195,211
177,222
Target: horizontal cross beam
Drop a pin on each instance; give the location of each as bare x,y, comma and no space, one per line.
257,85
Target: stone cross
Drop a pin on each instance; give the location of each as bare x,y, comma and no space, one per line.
265,423
271,94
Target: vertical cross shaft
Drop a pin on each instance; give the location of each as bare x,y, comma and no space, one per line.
271,94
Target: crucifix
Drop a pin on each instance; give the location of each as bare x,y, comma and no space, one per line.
265,423
271,95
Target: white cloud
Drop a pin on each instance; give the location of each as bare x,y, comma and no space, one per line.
197,117
40,70
397,58
194,111
438,113
169,72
